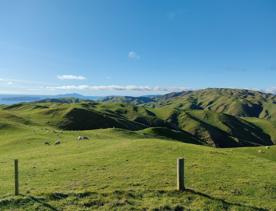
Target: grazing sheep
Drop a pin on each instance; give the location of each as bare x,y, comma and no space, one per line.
47,143
260,151
57,142
267,147
80,138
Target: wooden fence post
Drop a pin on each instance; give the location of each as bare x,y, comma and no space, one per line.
16,178
180,174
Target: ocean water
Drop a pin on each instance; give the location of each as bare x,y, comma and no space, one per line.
11,102
14,99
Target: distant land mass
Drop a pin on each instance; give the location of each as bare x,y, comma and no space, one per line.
7,99
13,99
214,117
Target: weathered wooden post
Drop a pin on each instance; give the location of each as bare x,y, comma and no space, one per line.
180,174
16,178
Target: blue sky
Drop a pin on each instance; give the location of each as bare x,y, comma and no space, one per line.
136,47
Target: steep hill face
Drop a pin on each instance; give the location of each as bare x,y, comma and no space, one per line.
83,119
134,113
128,99
219,130
242,103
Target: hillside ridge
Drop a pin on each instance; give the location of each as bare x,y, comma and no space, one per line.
214,117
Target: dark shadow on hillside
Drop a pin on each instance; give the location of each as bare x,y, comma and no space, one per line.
219,137
174,135
83,119
245,132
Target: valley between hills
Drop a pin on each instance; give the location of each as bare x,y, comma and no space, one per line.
226,136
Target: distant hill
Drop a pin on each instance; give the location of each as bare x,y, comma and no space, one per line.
237,102
13,99
129,99
214,117
62,100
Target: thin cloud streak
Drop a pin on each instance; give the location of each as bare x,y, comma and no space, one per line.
23,85
71,77
270,90
116,88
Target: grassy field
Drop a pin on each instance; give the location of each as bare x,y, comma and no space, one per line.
123,170
134,168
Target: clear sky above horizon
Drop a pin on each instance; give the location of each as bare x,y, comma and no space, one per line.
136,47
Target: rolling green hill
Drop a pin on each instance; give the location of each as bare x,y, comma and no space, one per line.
84,119
220,130
85,115
214,117
242,103
129,159
221,117
128,99
119,169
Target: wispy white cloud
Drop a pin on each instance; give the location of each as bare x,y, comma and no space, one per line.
133,55
115,88
71,77
44,87
7,81
20,86
271,90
